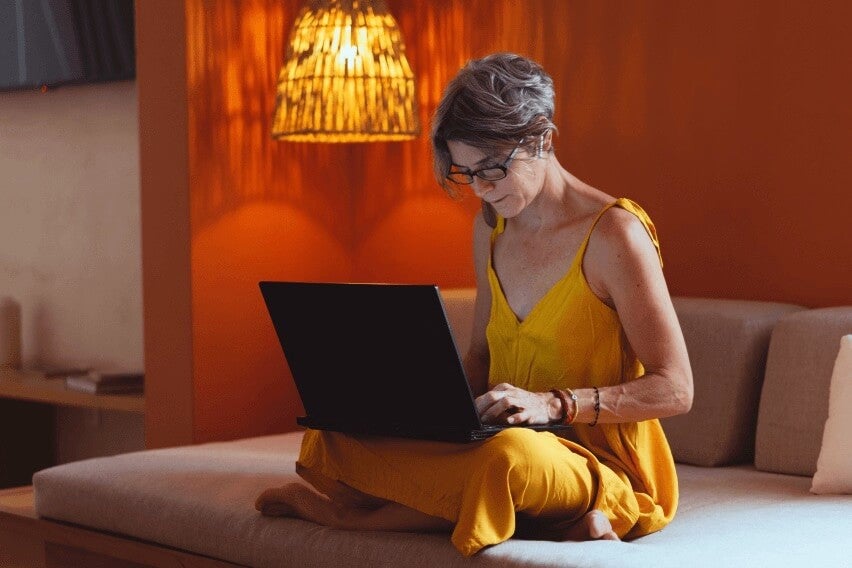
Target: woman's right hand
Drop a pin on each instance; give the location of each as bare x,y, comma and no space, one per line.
508,404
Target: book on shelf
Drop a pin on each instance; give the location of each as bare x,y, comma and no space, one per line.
107,383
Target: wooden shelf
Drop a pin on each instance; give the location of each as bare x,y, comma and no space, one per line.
32,386
18,501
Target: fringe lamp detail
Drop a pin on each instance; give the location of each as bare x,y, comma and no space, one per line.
345,77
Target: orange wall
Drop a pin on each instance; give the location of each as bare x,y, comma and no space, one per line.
729,122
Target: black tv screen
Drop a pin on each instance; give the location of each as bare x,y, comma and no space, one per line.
47,43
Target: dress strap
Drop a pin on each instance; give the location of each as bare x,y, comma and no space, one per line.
640,214
643,217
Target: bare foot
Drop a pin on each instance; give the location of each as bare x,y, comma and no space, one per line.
340,493
593,526
298,501
301,502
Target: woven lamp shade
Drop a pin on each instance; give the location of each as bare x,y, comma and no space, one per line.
345,77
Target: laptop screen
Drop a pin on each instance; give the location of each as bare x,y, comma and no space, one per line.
366,353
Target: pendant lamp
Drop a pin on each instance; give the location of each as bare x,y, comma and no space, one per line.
345,77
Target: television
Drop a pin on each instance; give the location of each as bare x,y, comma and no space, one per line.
48,43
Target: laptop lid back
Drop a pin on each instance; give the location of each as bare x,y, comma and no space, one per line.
371,357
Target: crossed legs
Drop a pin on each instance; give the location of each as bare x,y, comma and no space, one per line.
340,506
337,505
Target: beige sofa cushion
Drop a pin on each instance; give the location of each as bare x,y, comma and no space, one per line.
794,402
200,498
727,342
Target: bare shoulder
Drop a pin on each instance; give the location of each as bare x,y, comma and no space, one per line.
619,232
620,250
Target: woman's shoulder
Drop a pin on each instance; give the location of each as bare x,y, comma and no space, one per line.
617,220
617,217
623,227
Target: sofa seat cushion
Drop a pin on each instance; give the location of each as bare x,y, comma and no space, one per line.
200,499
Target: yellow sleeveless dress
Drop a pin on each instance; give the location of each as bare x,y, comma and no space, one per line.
521,478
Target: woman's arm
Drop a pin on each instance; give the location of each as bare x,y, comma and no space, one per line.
476,361
623,269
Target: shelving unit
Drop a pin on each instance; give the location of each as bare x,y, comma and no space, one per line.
33,386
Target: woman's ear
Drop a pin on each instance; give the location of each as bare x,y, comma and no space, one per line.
547,141
545,144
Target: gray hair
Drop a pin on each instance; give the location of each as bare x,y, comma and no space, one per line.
492,104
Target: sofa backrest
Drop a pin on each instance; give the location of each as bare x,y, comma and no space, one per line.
727,342
794,402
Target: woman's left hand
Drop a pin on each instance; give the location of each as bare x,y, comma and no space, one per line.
508,404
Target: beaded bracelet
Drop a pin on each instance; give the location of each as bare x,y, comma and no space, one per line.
597,407
563,397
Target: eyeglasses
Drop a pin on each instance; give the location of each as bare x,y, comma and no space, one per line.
491,173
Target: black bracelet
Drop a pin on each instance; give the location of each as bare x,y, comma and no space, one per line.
597,406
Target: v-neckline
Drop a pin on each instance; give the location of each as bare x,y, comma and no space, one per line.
536,307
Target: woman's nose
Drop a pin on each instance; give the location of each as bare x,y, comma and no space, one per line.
481,186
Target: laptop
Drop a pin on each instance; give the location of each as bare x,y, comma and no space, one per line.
376,359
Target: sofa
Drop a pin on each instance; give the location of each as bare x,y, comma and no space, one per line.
746,455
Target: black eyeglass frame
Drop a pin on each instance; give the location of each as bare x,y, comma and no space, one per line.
502,168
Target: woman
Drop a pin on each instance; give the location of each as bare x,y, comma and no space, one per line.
573,323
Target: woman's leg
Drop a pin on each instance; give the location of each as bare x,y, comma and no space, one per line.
299,501
518,473
529,485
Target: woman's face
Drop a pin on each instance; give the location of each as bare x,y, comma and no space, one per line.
510,195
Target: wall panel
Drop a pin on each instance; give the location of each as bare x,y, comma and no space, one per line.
727,121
